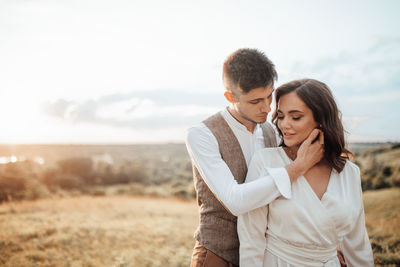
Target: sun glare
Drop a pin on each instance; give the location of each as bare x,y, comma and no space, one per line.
20,117
5,160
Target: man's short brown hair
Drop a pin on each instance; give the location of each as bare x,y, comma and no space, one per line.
248,69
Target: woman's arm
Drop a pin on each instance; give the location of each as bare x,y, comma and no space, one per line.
356,246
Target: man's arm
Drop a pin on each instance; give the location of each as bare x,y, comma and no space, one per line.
237,198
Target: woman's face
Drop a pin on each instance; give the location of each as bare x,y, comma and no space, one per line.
295,119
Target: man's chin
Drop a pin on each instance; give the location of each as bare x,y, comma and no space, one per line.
256,119
261,120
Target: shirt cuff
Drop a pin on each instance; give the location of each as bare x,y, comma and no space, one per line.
282,181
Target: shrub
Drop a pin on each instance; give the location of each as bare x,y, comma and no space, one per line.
396,176
68,181
78,167
380,181
11,187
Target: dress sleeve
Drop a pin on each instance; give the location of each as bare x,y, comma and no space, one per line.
356,246
252,227
237,198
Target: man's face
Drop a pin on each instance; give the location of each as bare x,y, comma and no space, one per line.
254,106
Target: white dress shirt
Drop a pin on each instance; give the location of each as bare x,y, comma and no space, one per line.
305,230
237,198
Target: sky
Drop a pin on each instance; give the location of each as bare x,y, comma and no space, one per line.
95,71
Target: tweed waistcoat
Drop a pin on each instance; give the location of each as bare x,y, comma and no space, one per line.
217,229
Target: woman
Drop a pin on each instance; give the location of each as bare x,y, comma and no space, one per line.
325,211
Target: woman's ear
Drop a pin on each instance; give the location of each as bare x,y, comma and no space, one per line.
229,96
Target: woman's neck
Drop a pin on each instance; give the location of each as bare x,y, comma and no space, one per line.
291,151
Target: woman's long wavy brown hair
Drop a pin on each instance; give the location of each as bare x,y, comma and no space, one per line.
317,96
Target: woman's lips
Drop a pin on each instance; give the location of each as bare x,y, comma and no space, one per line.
288,135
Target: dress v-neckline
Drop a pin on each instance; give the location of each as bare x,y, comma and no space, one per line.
306,181
312,190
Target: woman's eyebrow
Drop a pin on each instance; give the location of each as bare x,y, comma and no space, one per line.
291,111
295,111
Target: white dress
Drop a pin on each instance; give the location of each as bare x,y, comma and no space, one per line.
303,230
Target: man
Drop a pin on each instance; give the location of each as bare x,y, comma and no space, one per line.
221,148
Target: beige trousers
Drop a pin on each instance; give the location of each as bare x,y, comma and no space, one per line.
203,257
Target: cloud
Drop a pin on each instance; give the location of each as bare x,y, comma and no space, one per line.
354,122
146,109
58,108
376,97
369,70
366,84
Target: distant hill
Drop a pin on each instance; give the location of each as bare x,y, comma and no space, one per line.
361,147
380,166
35,171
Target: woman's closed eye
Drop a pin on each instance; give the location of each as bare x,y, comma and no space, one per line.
295,118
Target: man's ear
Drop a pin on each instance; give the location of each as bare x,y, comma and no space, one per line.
229,96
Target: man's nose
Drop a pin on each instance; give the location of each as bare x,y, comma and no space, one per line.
266,107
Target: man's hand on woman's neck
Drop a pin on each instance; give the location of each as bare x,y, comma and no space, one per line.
308,155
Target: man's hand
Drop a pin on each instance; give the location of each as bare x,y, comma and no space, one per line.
309,154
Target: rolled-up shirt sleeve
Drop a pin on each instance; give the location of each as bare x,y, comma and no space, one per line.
203,149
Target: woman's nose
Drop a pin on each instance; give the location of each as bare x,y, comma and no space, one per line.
284,123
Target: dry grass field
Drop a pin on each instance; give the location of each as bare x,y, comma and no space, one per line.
382,209
97,231
141,231
93,205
